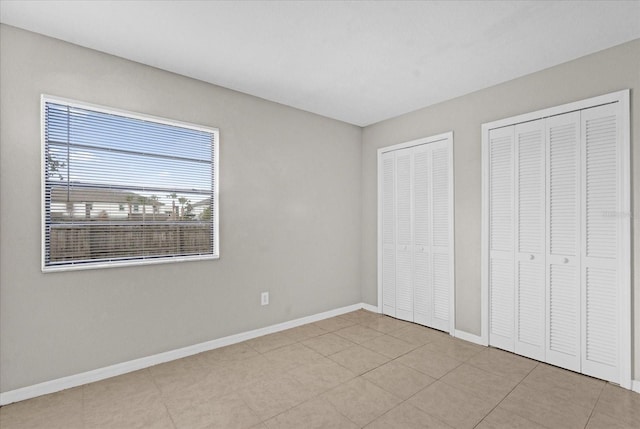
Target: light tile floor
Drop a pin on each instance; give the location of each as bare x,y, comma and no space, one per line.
356,370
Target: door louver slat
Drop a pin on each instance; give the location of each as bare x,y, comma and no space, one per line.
602,307
530,304
601,187
564,189
501,276
563,316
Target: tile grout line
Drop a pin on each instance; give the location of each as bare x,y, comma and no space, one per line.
466,361
163,399
403,401
505,397
355,376
416,393
595,405
318,395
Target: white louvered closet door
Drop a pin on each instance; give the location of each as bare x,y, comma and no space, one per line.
501,238
600,199
388,173
556,234
530,239
440,238
404,240
563,235
422,213
416,232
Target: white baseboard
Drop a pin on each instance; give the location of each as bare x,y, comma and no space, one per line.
369,307
472,338
122,368
635,385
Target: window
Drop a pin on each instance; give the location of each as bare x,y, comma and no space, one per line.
122,188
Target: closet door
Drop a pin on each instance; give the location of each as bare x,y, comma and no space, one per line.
404,240
501,238
563,249
600,247
388,210
530,239
440,240
416,232
556,236
422,213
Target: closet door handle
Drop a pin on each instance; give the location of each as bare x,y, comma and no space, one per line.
565,261
531,257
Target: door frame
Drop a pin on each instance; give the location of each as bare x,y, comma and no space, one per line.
624,217
448,137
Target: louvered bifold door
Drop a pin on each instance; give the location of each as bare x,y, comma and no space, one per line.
563,247
388,234
600,199
440,239
501,238
404,237
422,208
530,239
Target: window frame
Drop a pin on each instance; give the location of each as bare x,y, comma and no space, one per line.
142,260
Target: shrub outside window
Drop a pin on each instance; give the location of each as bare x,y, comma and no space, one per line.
121,188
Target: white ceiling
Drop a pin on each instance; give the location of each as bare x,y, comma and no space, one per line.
357,61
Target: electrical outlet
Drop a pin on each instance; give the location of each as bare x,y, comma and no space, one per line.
264,298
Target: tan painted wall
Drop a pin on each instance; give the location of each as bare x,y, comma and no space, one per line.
290,220
603,72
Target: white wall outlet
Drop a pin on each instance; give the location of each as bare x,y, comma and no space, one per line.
264,298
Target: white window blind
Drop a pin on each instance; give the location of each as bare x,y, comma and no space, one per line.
122,188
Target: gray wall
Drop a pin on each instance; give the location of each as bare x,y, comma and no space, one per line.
607,71
290,220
